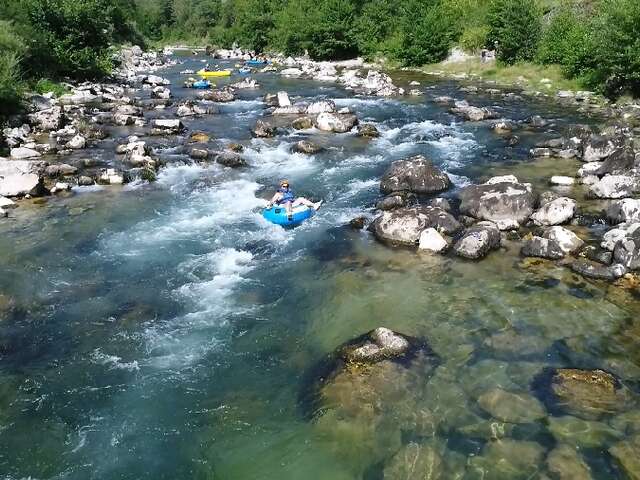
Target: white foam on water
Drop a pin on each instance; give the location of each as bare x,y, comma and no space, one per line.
354,187
349,163
273,160
113,361
363,102
455,147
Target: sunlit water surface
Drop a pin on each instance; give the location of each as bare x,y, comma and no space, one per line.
168,331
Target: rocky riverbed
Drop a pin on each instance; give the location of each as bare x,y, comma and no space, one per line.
464,306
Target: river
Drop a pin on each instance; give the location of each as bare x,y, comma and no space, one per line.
165,330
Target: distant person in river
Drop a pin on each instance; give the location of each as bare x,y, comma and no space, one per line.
285,196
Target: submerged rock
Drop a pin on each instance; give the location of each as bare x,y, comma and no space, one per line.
478,241
567,464
511,407
598,271
302,123
626,456
377,345
414,462
501,200
508,459
403,226
588,394
414,174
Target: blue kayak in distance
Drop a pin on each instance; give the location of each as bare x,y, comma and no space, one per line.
255,63
278,215
202,84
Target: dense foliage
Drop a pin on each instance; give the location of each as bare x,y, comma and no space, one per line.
597,41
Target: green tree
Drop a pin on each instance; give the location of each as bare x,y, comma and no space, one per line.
515,25
429,30
376,27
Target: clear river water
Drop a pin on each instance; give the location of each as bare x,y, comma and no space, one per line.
166,331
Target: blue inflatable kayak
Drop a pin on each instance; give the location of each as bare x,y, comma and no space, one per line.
202,84
278,215
255,63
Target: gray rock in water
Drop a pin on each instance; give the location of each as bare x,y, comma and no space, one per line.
221,96
21,177
85,181
511,407
168,125
323,106
597,148
501,200
230,159
48,120
414,174
22,153
542,248
478,241
368,130
621,161
394,200
614,186
473,114
627,251
302,123
334,122
60,169
415,462
597,271
555,212
305,146
264,129
432,241
568,241
377,345
508,459
403,226
82,97
199,154
624,211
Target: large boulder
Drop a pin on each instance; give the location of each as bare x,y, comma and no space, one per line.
48,120
155,80
336,122
302,123
305,146
323,106
21,177
624,211
542,248
416,175
403,226
168,125
555,212
611,238
614,186
597,148
221,96
627,251
230,159
161,92
620,161
22,153
568,241
432,241
368,130
478,241
502,200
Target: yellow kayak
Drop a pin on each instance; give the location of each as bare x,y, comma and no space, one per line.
214,73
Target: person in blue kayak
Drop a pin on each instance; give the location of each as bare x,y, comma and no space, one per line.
285,196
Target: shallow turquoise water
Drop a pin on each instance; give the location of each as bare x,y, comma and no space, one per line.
167,331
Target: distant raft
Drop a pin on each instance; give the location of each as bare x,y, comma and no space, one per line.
255,63
202,84
213,73
278,215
